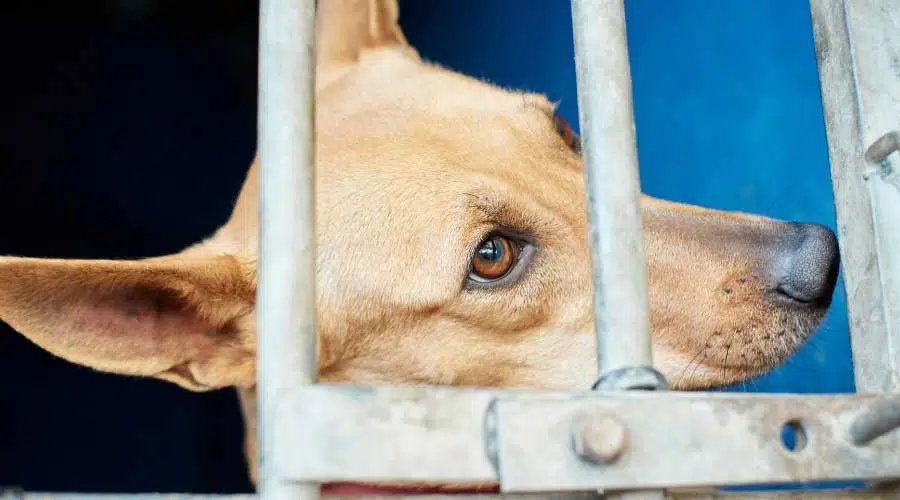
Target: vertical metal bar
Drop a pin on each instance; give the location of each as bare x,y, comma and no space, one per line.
612,190
857,52
611,184
286,343
858,49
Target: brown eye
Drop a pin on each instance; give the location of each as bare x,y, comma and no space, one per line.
568,135
493,259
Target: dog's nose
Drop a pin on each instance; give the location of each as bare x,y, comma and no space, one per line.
809,264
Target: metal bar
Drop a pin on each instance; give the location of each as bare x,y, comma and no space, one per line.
121,496
520,439
124,496
857,51
857,48
612,193
868,494
611,184
286,338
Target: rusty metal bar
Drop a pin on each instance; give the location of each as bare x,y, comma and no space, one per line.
612,193
285,314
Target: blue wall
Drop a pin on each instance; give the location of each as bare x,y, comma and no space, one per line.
726,102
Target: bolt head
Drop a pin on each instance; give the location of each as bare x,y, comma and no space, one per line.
599,438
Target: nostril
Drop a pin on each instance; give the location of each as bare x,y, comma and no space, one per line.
810,264
793,294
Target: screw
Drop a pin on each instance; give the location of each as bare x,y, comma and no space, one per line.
599,438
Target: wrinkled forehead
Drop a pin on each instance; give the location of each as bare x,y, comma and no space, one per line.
435,138
404,121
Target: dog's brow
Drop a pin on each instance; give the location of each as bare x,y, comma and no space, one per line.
491,209
499,212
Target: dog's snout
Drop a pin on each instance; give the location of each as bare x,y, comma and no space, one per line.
808,264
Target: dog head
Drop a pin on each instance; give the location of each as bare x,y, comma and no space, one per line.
451,236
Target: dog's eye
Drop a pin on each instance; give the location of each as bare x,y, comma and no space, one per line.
493,259
568,135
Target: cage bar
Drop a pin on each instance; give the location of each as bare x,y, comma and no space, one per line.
612,194
858,49
871,494
520,439
858,55
611,184
285,315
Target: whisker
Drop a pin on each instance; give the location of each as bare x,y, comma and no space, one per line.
691,362
697,366
725,362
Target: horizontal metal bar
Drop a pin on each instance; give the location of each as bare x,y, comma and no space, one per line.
522,440
354,434
868,494
125,496
689,441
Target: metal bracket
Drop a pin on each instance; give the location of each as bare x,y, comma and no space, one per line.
644,440
439,435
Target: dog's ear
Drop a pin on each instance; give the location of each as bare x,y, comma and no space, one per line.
178,318
345,29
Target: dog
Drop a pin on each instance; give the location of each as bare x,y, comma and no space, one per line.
452,250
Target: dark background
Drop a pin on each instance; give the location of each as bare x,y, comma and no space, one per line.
129,125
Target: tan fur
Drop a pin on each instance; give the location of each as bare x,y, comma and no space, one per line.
414,164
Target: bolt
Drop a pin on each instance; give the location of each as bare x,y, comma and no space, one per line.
599,438
884,146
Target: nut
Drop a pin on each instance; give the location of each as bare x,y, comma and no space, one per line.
599,438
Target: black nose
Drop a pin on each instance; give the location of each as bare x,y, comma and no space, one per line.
809,262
